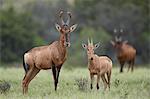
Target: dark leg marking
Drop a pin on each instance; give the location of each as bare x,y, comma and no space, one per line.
121,64
91,86
97,86
54,76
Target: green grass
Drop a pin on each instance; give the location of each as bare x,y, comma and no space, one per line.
134,85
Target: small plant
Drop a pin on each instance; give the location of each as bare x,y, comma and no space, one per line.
117,82
82,84
124,94
4,86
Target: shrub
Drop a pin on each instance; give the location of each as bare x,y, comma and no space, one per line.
82,84
4,86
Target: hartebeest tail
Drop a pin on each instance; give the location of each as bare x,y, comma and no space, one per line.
125,53
50,56
98,65
25,65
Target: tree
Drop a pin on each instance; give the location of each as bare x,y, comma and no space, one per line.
131,15
18,33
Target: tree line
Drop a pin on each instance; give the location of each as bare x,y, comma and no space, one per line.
31,23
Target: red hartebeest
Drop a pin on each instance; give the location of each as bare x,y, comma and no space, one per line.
48,57
98,65
125,52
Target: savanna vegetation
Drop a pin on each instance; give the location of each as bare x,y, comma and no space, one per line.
75,84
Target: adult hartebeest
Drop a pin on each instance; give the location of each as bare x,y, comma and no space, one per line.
98,65
125,52
48,57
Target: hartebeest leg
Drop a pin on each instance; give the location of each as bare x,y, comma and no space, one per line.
54,76
57,76
104,81
121,64
28,77
132,65
98,79
129,65
23,83
25,80
92,79
109,77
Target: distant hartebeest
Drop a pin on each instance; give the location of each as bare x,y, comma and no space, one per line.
48,57
98,65
125,52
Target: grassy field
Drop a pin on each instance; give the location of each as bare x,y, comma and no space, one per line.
134,85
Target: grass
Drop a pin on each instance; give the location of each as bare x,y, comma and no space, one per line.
129,85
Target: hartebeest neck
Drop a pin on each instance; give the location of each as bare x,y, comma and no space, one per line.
120,50
61,42
91,59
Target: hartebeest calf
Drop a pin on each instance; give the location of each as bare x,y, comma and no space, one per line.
125,53
48,57
98,65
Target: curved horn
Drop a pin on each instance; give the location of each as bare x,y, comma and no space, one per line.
88,41
60,15
115,30
69,14
121,30
91,41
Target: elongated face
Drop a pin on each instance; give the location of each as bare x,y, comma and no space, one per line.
117,43
90,49
65,29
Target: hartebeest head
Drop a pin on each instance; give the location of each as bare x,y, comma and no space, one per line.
118,42
65,28
90,49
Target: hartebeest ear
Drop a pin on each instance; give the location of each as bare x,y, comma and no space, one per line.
125,42
73,27
112,42
96,45
58,27
84,46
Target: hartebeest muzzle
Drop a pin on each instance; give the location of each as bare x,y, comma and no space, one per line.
67,42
